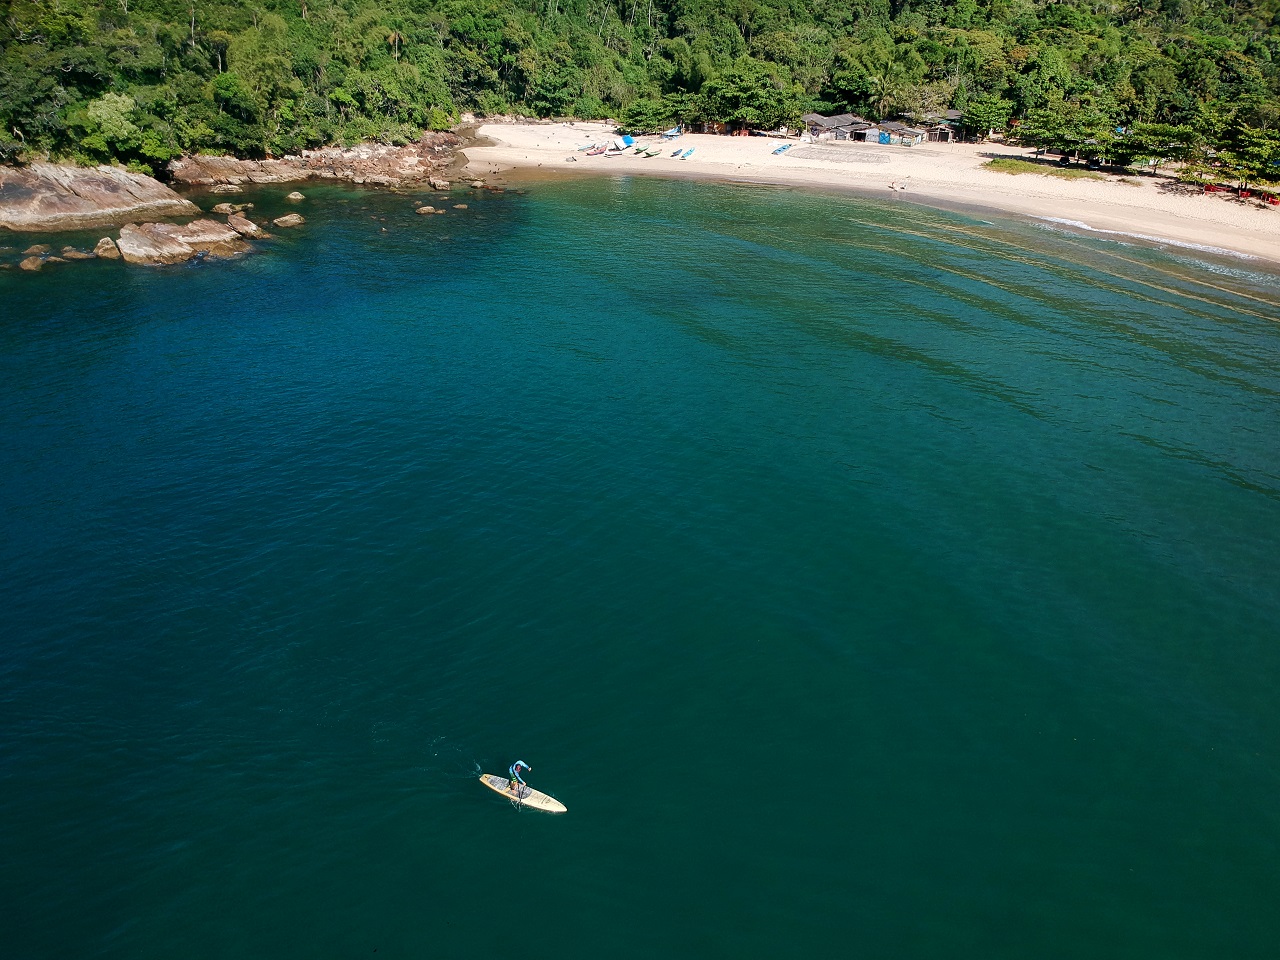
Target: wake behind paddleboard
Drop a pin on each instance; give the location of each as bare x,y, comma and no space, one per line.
527,797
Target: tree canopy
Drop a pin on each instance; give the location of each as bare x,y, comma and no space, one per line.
141,81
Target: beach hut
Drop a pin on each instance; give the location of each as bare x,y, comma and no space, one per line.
818,127
842,126
894,132
938,127
845,125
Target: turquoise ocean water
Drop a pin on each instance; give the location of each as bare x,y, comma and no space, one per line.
866,580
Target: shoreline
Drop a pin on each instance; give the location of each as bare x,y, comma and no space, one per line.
1143,209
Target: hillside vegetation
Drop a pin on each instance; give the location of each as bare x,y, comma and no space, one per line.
141,81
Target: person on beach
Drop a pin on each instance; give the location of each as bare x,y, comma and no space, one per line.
517,782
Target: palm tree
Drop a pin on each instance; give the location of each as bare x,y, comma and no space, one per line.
886,80
395,38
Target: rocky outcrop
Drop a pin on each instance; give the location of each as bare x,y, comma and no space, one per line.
47,196
163,243
289,220
32,264
71,253
367,163
142,244
229,208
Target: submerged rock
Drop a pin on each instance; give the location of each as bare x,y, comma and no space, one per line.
229,208
50,196
227,188
71,253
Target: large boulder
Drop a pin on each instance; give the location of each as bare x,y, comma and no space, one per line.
33,264
107,249
228,208
295,196
207,236
244,226
48,196
289,220
142,243
162,243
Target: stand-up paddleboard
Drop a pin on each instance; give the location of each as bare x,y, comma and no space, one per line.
527,797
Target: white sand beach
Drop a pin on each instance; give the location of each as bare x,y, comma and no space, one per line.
1152,209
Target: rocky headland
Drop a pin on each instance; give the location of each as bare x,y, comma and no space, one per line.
51,197
48,196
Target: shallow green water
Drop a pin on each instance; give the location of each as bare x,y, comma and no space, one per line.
863,578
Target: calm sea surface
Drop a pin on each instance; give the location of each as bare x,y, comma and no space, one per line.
868,581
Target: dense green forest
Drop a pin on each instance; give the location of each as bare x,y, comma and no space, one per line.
141,81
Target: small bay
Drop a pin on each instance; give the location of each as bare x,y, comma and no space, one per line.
862,577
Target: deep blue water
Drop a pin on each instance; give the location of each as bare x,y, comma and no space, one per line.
865,579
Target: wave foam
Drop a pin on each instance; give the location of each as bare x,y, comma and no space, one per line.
1203,248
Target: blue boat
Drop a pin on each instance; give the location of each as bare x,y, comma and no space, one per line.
783,149
687,154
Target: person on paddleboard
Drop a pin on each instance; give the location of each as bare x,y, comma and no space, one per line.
517,779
